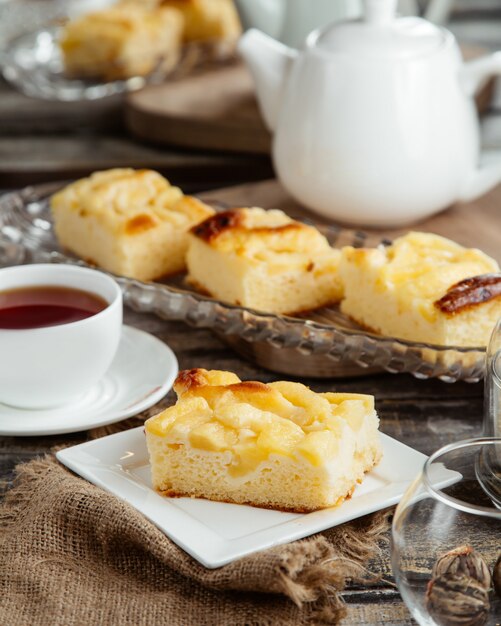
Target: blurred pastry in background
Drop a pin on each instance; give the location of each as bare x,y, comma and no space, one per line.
207,19
130,222
124,40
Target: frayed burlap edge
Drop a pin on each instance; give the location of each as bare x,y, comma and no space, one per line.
311,572
338,561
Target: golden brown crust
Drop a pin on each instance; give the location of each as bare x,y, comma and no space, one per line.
197,379
469,293
138,224
250,386
215,225
189,379
130,201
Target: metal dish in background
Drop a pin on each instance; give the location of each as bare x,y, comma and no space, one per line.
325,343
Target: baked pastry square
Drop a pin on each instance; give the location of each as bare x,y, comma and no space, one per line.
423,288
263,260
278,446
207,20
130,222
124,40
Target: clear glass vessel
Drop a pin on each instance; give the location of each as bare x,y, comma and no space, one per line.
491,471
445,542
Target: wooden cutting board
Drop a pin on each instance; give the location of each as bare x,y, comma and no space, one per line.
216,110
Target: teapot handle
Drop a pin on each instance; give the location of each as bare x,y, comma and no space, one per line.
472,76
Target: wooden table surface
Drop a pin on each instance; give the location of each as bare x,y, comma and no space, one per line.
43,143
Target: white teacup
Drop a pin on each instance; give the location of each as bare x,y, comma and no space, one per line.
51,366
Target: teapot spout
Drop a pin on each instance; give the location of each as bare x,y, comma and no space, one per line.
269,62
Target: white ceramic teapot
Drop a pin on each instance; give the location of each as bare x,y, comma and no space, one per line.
374,120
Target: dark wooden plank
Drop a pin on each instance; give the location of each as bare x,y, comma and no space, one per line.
26,160
432,425
21,115
44,140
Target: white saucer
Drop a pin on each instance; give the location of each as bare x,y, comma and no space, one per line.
142,372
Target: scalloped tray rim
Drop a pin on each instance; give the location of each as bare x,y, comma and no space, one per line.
36,193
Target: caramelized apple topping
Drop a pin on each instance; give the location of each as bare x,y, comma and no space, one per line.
469,292
213,226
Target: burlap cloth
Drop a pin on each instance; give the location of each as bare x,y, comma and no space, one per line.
72,554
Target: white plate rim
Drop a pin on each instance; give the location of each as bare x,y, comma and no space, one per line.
198,540
116,416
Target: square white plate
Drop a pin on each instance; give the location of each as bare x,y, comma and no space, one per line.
216,533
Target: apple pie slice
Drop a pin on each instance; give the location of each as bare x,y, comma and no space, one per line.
277,445
263,260
130,222
423,288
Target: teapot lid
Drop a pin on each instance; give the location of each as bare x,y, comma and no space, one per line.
381,34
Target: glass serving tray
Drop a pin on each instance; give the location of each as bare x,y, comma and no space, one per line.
33,63
323,343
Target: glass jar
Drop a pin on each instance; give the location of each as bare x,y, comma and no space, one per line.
490,470
460,521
